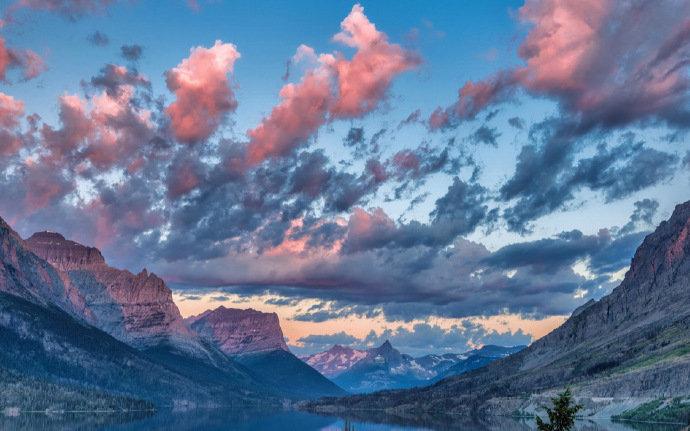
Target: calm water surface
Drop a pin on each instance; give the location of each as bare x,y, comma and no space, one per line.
211,420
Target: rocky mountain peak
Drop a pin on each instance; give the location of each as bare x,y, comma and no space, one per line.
335,360
64,254
137,309
236,331
24,274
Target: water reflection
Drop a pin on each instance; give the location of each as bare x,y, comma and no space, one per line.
213,420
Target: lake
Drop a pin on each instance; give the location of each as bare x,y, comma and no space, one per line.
212,420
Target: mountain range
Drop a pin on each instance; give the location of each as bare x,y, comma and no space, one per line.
384,367
77,333
255,340
622,351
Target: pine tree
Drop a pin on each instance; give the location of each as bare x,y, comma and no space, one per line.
562,415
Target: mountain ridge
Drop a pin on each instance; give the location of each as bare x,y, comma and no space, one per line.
385,367
255,340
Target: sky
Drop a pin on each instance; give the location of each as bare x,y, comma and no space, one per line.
441,174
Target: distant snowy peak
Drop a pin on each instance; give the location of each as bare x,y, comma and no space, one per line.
335,360
385,367
235,331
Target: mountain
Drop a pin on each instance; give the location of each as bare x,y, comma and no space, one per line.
335,360
439,364
236,331
628,348
384,367
52,357
255,340
137,309
476,359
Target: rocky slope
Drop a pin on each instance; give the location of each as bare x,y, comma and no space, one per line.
47,342
255,340
384,367
335,360
24,274
477,358
43,345
236,331
137,309
629,347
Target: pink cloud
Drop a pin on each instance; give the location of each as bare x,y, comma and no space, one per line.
11,112
44,185
69,8
300,113
332,88
406,161
110,130
364,80
606,61
183,177
202,90
28,62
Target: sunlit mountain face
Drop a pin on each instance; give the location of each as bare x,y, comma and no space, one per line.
443,176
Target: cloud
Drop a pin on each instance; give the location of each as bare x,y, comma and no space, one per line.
298,116
485,135
547,176
425,337
458,212
517,122
414,117
597,61
473,97
325,341
131,52
332,88
70,9
203,96
98,38
11,112
364,80
114,79
27,62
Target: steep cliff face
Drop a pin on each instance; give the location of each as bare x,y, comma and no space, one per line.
135,308
255,340
63,254
46,343
236,331
26,275
633,344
